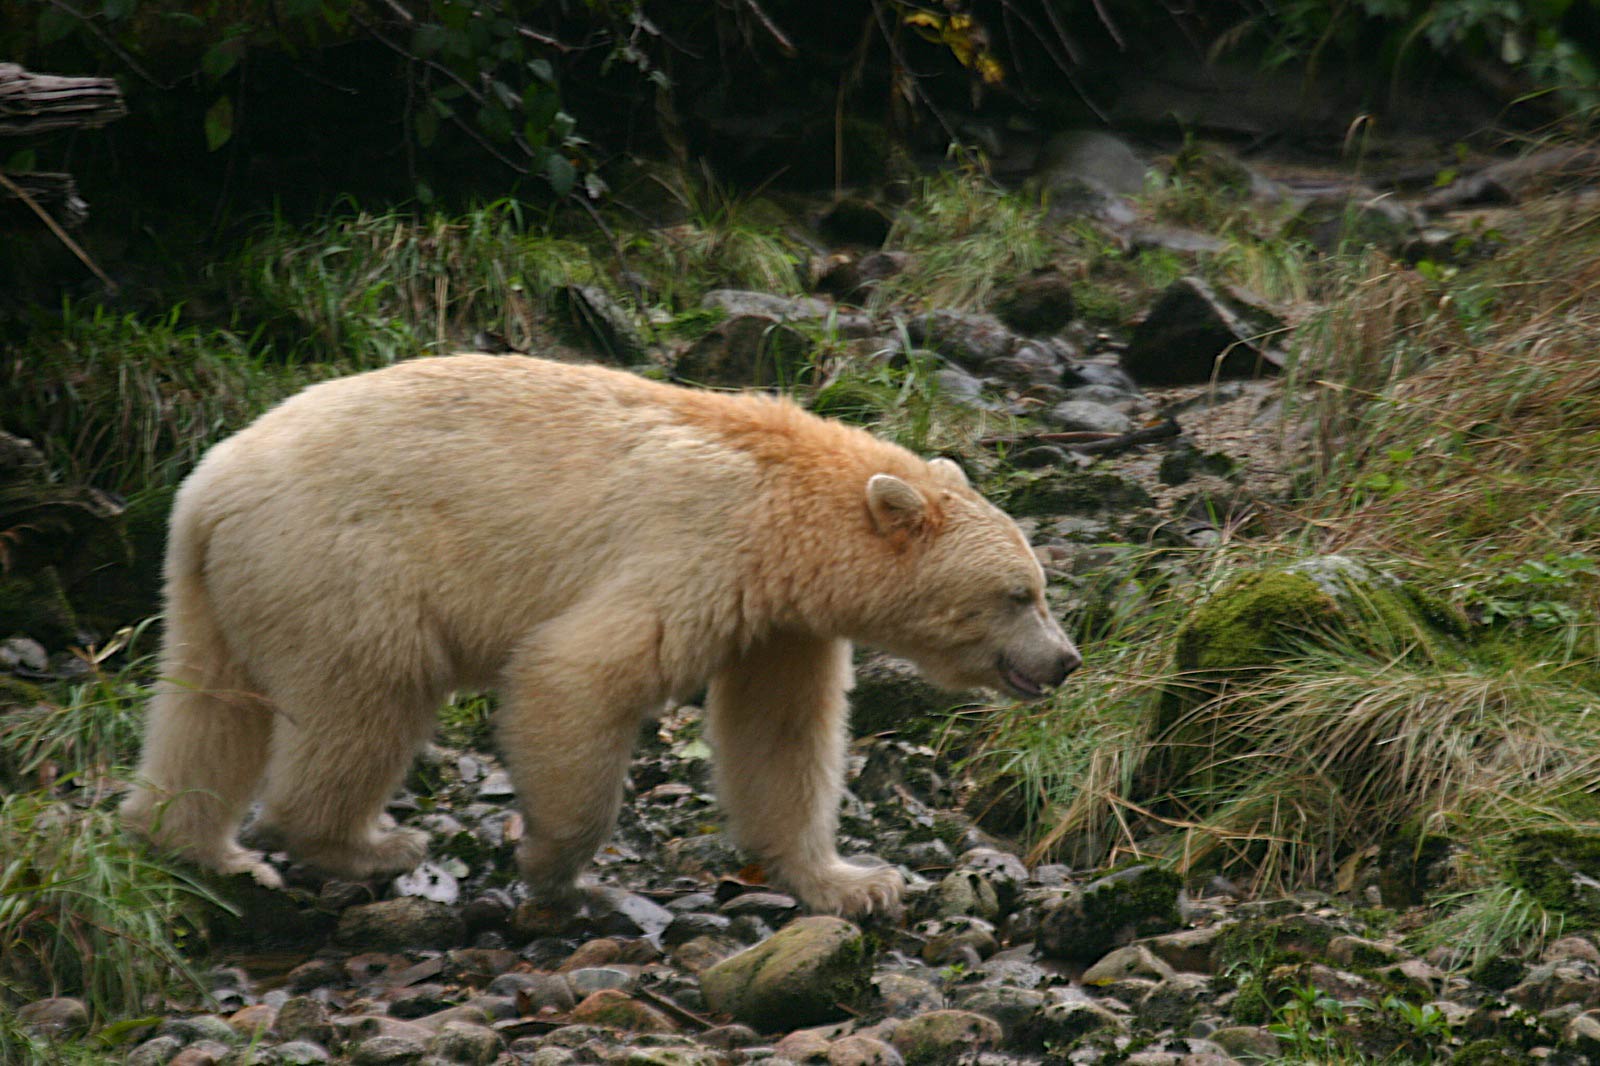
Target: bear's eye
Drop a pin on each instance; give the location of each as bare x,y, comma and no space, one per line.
1021,595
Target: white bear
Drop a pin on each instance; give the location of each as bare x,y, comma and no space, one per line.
593,546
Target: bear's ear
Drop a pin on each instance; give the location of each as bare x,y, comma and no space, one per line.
949,474
895,506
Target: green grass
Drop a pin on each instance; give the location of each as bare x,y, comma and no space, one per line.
966,236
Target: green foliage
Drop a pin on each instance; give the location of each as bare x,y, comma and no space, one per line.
86,911
900,402
125,402
967,235
728,241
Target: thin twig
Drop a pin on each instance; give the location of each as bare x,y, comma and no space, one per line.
55,227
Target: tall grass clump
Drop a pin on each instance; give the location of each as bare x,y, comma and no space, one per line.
126,403
899,402
367,290
966,236
725,242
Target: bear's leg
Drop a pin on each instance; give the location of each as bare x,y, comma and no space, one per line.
571,702
205,744
778,727
338,755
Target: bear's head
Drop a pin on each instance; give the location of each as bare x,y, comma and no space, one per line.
966,604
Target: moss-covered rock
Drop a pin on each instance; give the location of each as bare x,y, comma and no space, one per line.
1068,491
812,971
1561,869
1086,923
945,1036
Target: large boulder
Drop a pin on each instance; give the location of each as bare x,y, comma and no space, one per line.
1196,334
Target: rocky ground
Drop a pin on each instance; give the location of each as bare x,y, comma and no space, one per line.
681,958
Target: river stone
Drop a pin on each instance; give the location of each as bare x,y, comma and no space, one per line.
535,991
253,1020
303,1018
590,979
1173,1000
55,1017
1062,1023
959,939
1086,416
804,1045
300,1053
944,1036
765,304
202,1053
1195,334
408,922
863,1050
387,1051
903,995
966,892
1191,950
1135,960
1247,1042
615,1009
1016,1009
474,1045
194,1028
815,970
971,340
157,1051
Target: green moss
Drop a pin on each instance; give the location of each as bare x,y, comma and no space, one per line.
1490,1052
1558,868
1268,942
1078,492
1249,622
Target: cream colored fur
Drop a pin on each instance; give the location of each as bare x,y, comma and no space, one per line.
590,544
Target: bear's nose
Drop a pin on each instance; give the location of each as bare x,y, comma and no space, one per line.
1066,662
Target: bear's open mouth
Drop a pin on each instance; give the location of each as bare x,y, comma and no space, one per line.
1017,681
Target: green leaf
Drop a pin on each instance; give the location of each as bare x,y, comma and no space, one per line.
219,123
542,70
219,59
561,173
21,162
539,106
424,192
117,10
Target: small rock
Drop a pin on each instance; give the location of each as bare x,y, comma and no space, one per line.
474,1045
250,1022
617,1010
24,652
195,1028
730,1037
1087,923
157,1051
1136,960
1572,949
1360,952
804,1045
617,912
53,1018
960,939
1062,1023
590,979
746,350
300,1053
1247,1042
303,1018
535,991
772,907
1084,416
971,340
944,1036
966,892
813,971
387,1051
863,1050
201,1053
902,995
1016,1009
399,924
1191,950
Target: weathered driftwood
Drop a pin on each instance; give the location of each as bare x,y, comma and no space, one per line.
55,193
34,103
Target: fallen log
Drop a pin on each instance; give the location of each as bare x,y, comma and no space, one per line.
34,103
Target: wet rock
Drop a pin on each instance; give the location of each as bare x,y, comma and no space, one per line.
1194,334
54,1018
944,1036
303,1018
863,1050
1173,1001
398,924
1175,239
700,953
474,1045
618,1010
1571,949
252,1021
23,652
194,1028
730,1037
815,970
618,912
595,318
1061,1023
1582,1035
973,341
202,1053
1247,1042
1016,1009
1088,922
354,1028
535,991
591,979
686,926
775,908
1080,416
1555,984
746,350
1036,304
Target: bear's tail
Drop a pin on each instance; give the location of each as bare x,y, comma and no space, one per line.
207,730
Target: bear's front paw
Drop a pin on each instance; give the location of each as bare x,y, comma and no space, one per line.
852,891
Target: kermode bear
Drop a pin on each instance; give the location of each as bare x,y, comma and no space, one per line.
591,545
